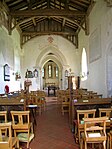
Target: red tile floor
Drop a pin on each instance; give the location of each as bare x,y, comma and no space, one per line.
52,130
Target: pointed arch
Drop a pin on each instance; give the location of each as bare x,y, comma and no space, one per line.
56,55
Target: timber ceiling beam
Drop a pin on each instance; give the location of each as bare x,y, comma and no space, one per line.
34,22
74,22
63,24
64,19
47,12
4,7
47,33
90,7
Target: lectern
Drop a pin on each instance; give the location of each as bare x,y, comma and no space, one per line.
27,83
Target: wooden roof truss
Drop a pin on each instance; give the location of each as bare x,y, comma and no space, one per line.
48,17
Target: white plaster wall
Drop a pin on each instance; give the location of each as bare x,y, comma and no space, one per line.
9,54
101,15
36,46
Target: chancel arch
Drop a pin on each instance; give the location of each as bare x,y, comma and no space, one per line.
48,55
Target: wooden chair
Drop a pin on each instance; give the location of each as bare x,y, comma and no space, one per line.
7,141
33,99
3,119
80,123
41,95
59,95
93,132
22,127
3,116
65,105
109,140
106,112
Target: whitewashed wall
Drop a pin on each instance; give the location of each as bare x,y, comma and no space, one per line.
100,27
9,54
36,46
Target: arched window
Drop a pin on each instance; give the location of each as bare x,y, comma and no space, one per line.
84,65
49,71
57,72
43,72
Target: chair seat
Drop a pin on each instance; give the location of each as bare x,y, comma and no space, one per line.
24,137
92,135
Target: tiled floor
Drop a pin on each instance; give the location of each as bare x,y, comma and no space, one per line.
52,130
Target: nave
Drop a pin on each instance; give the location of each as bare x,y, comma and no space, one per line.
52,130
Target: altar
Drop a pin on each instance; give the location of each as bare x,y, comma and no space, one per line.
52,90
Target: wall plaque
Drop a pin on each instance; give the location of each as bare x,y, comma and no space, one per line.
6,72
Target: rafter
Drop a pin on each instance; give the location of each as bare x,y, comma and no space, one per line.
42,17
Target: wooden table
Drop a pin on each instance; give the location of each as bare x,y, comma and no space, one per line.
94,103
33,109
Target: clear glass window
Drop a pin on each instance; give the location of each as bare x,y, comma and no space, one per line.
57,72
49,71
84,65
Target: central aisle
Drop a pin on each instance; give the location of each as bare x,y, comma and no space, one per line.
52,130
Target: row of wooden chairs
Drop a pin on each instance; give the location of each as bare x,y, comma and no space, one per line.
81,114
34,97
21,126
63,97
40,101
31,99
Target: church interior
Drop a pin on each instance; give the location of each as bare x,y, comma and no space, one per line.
55,64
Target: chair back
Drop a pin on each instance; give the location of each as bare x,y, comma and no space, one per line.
20,119
105,112
95,129
3,116
85,114
5,141
65,105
